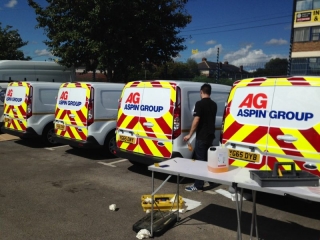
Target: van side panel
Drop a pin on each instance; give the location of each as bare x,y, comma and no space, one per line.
245,123
15,106
72,111
294,134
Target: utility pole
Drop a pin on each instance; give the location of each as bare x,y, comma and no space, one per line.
291,39
218,72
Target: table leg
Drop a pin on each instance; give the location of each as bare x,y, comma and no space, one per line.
152,187
178,196
239,234
254,215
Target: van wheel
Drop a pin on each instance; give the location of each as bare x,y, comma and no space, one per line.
110,144
47,136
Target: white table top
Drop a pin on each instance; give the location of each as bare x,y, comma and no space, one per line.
199,170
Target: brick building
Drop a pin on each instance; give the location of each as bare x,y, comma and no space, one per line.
305,52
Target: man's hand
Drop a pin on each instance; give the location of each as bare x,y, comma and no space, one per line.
187,137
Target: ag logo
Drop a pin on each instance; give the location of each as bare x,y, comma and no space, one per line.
64,95
10,93
258,101
133,98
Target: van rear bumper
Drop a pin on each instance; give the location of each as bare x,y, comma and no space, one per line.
90,143
29,133
141,158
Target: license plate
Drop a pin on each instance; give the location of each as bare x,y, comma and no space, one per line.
60,126
246,156
127,139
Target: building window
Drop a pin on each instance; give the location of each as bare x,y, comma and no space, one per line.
303,5
305,66
315,33
301,34
316,4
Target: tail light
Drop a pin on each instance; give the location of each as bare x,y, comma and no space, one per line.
177,116
225,112
29,102
90,107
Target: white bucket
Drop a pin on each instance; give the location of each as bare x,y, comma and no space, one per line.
218,160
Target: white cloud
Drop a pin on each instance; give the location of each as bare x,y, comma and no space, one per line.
192,41
11,3
211,52
42,52
274,41
250,57
211,42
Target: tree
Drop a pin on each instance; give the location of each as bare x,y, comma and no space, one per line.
10,42
113,36
275,67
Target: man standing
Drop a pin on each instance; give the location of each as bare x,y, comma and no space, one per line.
204,124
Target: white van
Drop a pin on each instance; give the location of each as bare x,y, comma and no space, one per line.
42,71
269,120
154,116
29,110
86,113
21,70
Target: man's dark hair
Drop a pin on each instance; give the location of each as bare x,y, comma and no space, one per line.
206,88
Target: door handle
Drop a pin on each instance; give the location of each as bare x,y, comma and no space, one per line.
287,138
148,124
71,115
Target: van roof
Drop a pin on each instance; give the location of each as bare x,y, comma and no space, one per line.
101,84
23,64
191,84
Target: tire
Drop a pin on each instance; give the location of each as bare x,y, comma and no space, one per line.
110,145
47,136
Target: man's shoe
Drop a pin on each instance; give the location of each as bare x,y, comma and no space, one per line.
192,188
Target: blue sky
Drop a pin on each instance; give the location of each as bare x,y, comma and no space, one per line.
247,32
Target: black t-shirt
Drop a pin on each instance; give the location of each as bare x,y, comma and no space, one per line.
206,109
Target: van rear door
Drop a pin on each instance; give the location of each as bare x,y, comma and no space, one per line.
246,122
145,118
16,106
71,115
295,123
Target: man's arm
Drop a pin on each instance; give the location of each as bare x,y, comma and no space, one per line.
194,126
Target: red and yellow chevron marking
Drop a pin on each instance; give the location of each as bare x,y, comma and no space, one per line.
148,138
75,127
17,114
306,148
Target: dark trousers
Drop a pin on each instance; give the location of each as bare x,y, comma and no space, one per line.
201,153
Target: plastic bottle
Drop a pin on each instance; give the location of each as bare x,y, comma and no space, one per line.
218,159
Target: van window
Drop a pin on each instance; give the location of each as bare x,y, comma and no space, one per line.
48,96
15,95
71,98
219,97
110,98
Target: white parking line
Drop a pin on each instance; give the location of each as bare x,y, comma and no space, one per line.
53,148
111,164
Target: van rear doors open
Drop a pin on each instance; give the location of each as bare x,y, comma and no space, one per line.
146,118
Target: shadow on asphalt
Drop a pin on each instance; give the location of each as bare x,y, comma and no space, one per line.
92,154
32,143
289,204
268,228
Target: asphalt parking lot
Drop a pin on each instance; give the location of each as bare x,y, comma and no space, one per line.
62,193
